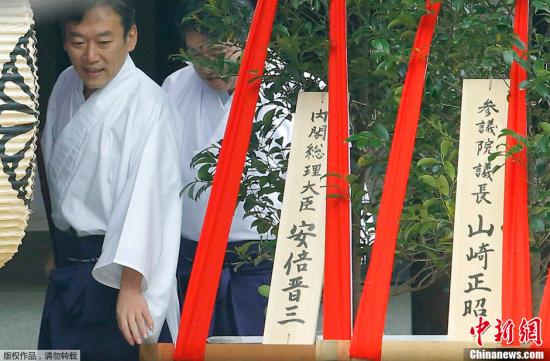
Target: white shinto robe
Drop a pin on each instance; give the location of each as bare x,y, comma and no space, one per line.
113,169
202,120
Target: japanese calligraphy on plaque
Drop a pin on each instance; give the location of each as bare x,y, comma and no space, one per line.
296,284
476,277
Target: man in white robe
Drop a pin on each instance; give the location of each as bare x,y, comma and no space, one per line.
204,100
114,177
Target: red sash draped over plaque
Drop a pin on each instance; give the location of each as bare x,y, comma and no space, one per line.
337,287
203,285
516,275
369,325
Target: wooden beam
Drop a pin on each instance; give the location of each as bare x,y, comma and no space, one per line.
406,348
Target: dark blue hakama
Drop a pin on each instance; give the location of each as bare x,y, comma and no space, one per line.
79,312
239,309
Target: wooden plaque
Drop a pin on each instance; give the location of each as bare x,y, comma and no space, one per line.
296,284
476,277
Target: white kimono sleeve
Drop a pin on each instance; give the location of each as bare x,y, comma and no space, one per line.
143,232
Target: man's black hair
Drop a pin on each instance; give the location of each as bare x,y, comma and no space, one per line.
191,13
124,8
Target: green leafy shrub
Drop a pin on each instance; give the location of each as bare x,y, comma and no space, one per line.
473,39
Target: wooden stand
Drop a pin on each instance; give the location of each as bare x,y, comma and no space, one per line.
419,348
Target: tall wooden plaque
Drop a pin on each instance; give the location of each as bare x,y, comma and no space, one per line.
476,277
297,279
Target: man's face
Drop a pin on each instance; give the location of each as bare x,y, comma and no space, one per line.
97,46
200,45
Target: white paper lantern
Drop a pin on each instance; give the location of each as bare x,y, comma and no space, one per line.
18,122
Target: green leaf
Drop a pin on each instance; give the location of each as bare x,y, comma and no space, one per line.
263,226
508,56
204,173
545,127
248,204
268,117
381,131
539,210
364,161
365,139
242,251
398,91
515,149
380,45
260,166
426,227
190,190
458,4
542,89
431,202
352,178
518,43
394,23
408,21
539,68
524,84
263,290
427,162
429,180
445,147
537,224
443,185
449,204
450,169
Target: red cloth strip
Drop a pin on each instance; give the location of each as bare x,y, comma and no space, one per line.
369,325
516,276
337,284
203,285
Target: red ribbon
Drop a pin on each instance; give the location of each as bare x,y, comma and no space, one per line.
516,276
369,325
199,302
337,285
